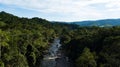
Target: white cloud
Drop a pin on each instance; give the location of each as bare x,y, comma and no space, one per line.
78,9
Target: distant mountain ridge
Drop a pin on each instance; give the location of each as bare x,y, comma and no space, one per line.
101,23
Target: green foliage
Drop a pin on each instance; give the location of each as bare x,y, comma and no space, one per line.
4,38
104,44
23,41
86,59
65,39
1,64
2,24
22,61
111,50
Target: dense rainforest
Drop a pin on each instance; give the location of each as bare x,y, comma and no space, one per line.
24,41
93,46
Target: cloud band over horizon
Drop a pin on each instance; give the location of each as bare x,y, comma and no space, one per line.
65,10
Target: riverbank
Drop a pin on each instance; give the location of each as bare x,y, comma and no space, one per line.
62,60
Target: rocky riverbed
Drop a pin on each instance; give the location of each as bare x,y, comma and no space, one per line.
55,57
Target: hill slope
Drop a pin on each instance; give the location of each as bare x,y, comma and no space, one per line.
101,23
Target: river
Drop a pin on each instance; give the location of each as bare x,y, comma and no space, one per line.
55,57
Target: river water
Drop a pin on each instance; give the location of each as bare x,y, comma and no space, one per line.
54,58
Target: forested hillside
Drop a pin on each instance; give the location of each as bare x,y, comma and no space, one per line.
93,46
100,23
24,41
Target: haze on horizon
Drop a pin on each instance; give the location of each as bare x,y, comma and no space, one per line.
63,10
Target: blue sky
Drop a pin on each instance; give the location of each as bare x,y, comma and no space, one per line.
63,10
